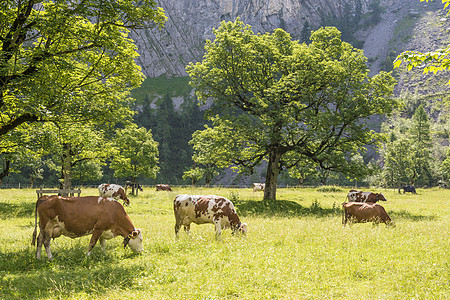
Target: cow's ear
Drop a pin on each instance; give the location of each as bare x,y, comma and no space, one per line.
135,233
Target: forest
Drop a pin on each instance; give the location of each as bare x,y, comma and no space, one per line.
77,114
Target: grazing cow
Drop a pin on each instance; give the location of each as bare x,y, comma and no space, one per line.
409,189
206,209
114,191
133,184
259,187
360,196
163,187
357,212
104,218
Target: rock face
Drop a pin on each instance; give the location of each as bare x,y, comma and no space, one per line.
190,23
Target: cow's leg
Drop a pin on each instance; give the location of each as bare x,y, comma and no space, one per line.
218,230
345,218
94,238
39,245
46,241
177,228
187,228
102,243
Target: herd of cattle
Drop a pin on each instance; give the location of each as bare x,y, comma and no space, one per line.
104,217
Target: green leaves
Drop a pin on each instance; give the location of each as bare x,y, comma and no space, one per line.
77,63
137,153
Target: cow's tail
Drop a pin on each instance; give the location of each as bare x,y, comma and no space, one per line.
33,240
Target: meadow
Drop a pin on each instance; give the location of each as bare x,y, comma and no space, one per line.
296,248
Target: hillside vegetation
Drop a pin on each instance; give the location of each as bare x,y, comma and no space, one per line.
296,248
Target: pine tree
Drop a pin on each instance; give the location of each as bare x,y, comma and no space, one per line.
421,146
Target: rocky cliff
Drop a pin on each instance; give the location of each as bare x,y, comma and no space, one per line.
190,23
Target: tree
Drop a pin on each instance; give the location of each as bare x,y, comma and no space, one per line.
272,96
138,153
421,145
445,167
398,165
74,148
195,174
69,61
432,61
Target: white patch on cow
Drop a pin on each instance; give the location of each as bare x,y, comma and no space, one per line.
100,199
136,244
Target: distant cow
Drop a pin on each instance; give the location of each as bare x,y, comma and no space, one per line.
133,184
114,191
360,196
357,212
163,187
259,187
409,189
104,218
206,209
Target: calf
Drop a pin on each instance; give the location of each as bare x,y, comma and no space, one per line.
409,189
206,209
259,187
357,212
360,196
114,191
163,187
104,218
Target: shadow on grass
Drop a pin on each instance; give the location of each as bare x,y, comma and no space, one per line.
283,208
398,215
70,272
8,210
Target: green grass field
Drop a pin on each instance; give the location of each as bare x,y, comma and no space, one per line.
296,248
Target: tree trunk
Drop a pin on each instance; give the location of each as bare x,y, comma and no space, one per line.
5,171
66,168
273,170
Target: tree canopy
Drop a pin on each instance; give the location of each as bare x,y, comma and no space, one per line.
69,60
272,98
137,153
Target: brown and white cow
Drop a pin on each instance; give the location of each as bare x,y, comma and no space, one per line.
163,187
104,218
360,196
201,209
259,187
114,191
358,212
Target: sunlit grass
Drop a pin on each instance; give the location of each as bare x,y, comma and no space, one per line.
296,248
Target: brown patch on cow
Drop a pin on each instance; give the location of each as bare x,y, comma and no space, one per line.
177,204
201,207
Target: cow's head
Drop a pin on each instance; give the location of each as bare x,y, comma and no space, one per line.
134,240
381,197
241,228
